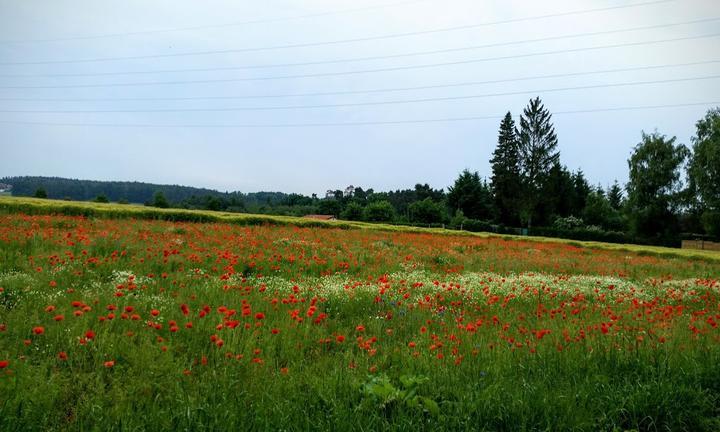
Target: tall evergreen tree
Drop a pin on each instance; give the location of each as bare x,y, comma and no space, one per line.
538,153
581,191
470,195
506,180
558,194
598,210
615,196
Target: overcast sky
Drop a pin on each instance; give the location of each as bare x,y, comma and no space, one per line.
42,43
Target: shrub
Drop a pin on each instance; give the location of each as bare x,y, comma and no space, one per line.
40,193
380,211
353,212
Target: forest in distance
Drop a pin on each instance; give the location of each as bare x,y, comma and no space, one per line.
673,191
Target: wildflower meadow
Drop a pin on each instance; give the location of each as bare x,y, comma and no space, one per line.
130,324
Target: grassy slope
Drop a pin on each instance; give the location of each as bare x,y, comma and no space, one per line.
47,206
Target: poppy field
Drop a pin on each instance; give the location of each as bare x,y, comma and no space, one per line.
129,324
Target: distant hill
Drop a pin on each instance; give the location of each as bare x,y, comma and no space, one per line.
133,192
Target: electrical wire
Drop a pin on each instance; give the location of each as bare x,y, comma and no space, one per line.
343,124
364,71
356,104
336,42
211,26
368,91
367,58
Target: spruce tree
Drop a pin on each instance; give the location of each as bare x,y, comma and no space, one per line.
615,196
558,194
538,153
581,191
506,180
470,195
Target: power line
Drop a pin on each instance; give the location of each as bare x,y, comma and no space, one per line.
210,26
340,41
368,91
356,104
363,71
358,59
361,123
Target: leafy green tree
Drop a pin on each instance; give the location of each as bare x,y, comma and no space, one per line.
704,171
458,220
295,199
380,211
506,177
471,195
330,207
427,211
360,195
353,212
423,191
40,193
159,200
654,187
373,196
101,199
538,154
214,203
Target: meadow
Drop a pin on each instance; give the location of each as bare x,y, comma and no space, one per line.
169,321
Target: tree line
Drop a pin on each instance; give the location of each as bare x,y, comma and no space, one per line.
672,189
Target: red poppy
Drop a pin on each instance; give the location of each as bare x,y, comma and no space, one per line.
89,334
4,364
62,355
259,316
38,330
109,364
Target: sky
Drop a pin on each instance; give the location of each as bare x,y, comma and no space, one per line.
210,94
